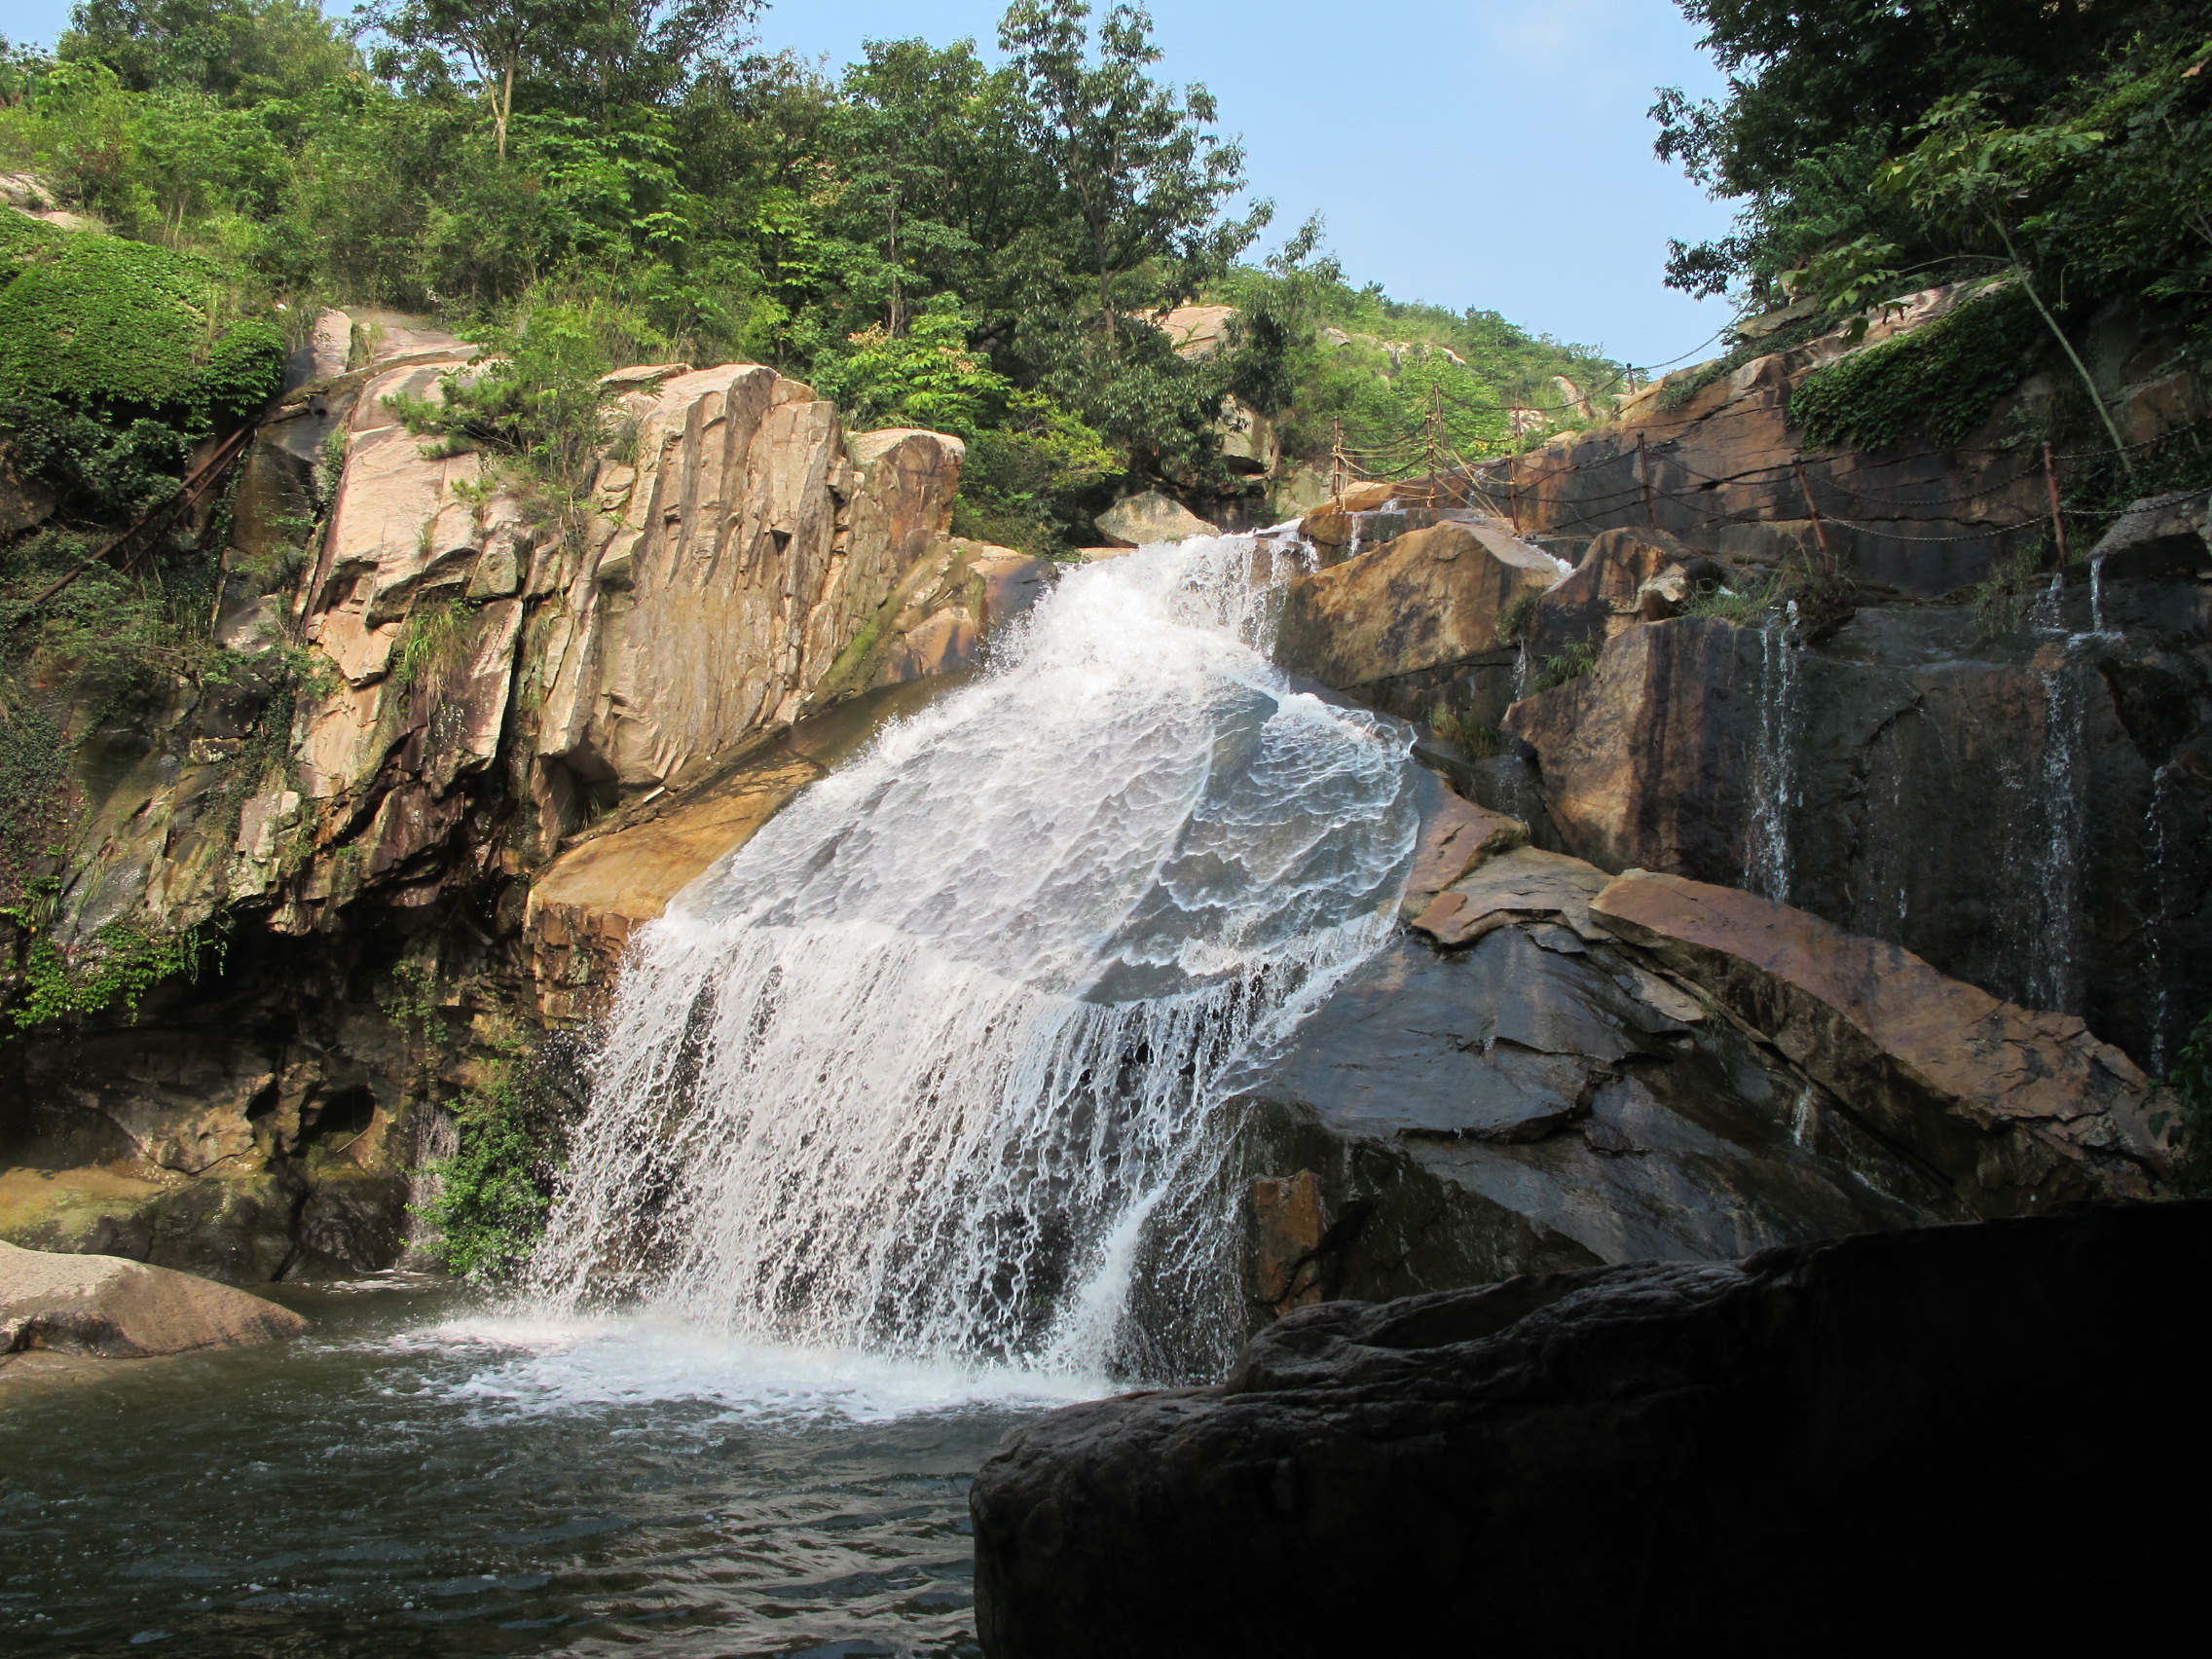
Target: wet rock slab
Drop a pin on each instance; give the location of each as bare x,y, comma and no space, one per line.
1899,1440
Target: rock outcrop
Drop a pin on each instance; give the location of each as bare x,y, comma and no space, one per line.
2026,808
438,681
1558,1068
121,1309
1138,521
1840,1441
2018,1108
1414,627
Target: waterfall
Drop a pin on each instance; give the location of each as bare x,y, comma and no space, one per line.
928,1067
2154,918
2054,898
1766,861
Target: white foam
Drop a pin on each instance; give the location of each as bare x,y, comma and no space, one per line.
928,1066
526,1364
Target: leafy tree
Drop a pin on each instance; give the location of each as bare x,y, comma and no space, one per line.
1822,94
1145,180
235,50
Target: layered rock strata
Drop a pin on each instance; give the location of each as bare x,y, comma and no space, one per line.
435,680
1839,1440
1558,1068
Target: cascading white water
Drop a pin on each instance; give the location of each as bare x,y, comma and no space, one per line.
1774,759
929,1066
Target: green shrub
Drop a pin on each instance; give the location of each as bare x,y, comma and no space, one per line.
1573,663
122,963
498,1187
127,329
1734,604
1513,620
1938,382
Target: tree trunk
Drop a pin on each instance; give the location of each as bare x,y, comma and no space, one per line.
505,107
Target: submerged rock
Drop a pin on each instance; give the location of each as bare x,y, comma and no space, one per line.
103,1305
1843,1441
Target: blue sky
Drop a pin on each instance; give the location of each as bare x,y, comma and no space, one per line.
1466,152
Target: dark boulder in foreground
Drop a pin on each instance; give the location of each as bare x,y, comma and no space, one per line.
1951,1435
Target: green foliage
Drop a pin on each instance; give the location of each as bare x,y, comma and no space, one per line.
34,800
123,963
1028,478
926,238
123,329
1573,663
434,636
122,637
539,407
1881,148
1385,367
497,1188
1519,611
2191,1080
239,49
927,377
1938,382
1740,606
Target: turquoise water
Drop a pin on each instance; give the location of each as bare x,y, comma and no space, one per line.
424,1476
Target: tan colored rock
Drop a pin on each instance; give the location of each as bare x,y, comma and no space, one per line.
1139,521
744,556
1197,331
2019,1109
1642,762
329,346
1429,599
1519,885
1603,595
1369,497
583,909
1456,835
103,1305
1287,1228
398,529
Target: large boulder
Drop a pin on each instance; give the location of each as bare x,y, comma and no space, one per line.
2019,1108
103,1305
1555,1068
1843,1441
1139,521
1417,623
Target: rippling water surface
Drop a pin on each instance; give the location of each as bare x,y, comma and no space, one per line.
424,1476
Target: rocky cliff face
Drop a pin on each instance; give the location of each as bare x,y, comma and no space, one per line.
1558,1068
437,684
2008,779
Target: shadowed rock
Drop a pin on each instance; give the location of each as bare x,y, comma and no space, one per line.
1865,1444
2018,1107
